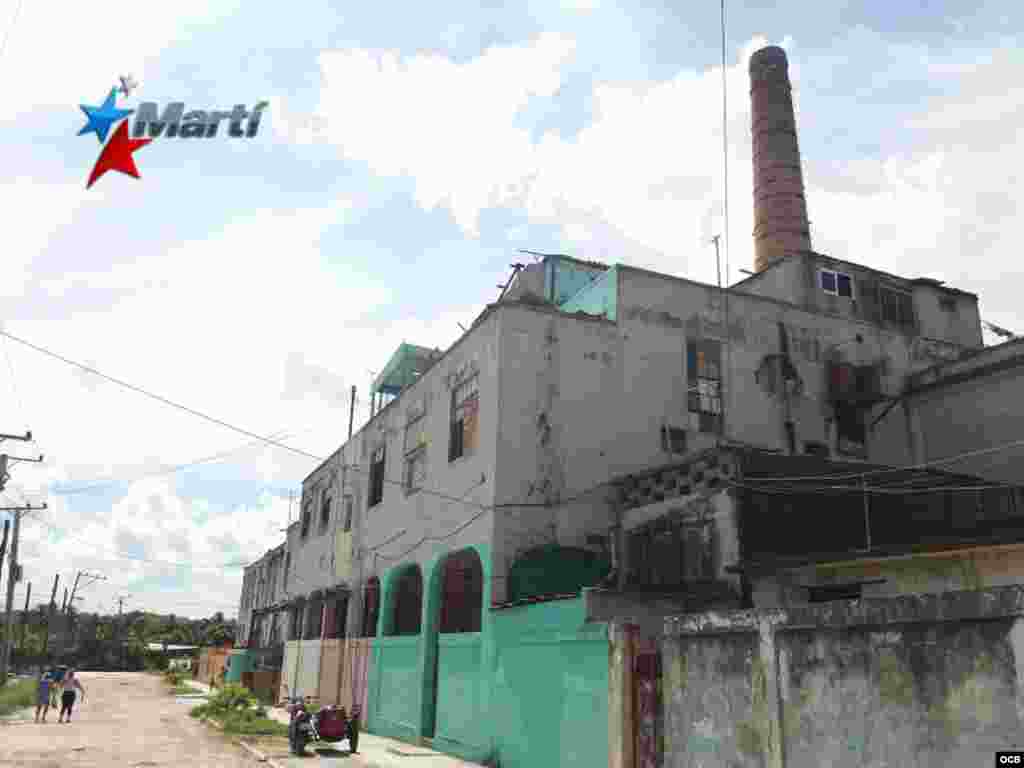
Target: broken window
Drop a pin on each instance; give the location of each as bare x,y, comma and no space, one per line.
348,513
325,513
836,283
465,406
704,384
415,450
897,307
377,463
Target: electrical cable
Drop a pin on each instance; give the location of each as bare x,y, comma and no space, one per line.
892,470
172,468
125,556
161,399
832,489
10,28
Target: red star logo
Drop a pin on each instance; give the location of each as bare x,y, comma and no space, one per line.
117,155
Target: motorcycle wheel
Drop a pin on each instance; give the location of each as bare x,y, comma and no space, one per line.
298,743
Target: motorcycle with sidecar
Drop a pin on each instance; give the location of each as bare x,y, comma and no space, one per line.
330,725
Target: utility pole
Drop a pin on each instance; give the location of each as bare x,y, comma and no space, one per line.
3,544
13,577
24,616
121,632
351,411
49,617
69,608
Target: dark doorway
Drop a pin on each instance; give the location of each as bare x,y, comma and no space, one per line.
462,589
408,604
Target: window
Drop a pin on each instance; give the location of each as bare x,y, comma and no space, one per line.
415,452
836,283
704,384
325,513
371,607
287,567
307,515
897,307
673,440
377,463
348,513
670,553
851,430
465,405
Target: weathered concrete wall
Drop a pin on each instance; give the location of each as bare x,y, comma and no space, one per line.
960,407
925,680
557,372
984,412
952,318
931,573
401,520
782,280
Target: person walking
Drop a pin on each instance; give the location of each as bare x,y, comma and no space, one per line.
71,686
43,694
56,677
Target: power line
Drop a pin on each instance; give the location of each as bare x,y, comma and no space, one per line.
881,490
161,399
874,472
10,28
126,556
171,469
213,419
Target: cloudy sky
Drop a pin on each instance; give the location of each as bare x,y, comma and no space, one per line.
408,151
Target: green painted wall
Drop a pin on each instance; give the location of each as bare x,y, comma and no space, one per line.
550,687
241,661
397,688
530,689
597,298
459,681
555,570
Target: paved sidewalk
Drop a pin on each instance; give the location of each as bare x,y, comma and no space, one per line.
374,751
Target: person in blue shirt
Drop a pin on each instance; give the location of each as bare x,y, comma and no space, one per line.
43,695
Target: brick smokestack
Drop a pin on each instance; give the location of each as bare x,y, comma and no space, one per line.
780,209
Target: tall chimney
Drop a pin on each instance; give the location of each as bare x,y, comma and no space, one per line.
780,209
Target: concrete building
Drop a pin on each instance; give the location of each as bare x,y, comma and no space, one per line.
604,426
969,406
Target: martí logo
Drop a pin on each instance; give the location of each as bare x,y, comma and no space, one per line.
150,124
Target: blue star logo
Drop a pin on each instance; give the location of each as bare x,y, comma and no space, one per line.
101,118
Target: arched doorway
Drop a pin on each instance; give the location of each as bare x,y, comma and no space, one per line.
454,655
462,587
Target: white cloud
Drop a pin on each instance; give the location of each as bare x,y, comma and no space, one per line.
251,326
450,126
642,183
76,58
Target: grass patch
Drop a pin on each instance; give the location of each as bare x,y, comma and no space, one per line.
239,713
17,694
186,689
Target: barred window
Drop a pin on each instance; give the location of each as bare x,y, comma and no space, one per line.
704,384
465,407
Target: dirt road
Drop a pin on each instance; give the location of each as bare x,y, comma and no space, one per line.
129,720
